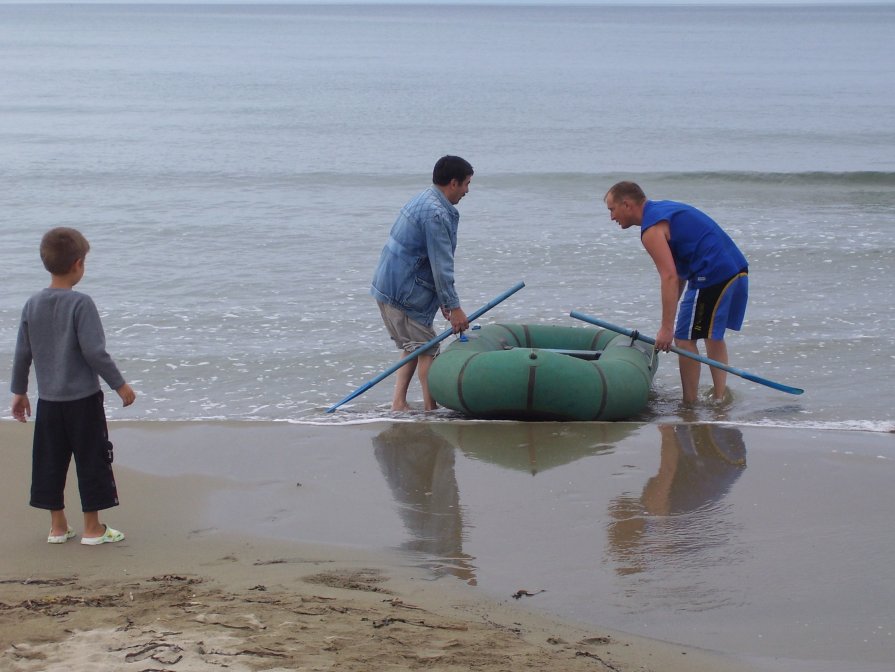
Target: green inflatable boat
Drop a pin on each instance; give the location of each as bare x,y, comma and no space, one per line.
544,372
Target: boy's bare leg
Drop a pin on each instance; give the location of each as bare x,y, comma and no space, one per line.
58,523
717,350
689,369
92,526
425,364
402,382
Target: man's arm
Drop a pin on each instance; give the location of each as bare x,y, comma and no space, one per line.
655,240
439,248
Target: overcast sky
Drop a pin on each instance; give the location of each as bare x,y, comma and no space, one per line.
461,2
466,2
578,2
559,2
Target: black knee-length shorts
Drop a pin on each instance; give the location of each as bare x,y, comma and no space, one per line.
66,429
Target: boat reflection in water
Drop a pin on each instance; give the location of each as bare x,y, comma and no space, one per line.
678,526
533,446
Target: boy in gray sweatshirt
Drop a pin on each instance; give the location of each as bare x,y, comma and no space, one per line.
61,333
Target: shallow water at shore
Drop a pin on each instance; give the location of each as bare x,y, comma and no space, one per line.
762,543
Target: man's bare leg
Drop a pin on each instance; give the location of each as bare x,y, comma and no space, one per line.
402,382
717,350
423,372
689,369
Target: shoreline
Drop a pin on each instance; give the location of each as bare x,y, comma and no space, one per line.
177,594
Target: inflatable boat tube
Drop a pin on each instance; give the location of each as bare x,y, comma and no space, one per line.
544,372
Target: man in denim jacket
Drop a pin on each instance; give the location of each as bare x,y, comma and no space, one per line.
415,275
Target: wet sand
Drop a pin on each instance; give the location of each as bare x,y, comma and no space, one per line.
277,546
174,596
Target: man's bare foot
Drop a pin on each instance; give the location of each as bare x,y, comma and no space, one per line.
725,398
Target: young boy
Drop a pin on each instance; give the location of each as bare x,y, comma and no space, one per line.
62,334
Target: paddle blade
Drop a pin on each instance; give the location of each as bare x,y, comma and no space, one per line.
770,383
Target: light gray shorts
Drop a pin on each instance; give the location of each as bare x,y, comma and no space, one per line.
407,334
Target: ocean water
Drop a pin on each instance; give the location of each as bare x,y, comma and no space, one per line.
236,169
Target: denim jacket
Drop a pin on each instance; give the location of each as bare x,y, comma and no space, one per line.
416,267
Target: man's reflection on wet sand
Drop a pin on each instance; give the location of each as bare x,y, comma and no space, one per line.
677,522
418,465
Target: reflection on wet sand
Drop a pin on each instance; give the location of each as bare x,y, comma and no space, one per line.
417,460
533,446
677,525
419,467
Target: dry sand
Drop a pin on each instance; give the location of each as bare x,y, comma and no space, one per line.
172,598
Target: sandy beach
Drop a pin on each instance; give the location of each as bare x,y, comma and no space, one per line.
173,596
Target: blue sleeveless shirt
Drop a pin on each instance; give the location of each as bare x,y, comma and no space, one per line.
703,254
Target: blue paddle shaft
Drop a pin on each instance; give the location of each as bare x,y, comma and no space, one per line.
684,353
426,346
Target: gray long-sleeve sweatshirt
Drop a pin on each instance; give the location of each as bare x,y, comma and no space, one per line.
62,334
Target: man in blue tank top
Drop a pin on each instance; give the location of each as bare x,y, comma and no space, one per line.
691,253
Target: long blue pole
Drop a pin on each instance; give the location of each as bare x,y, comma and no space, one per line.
426,346
684,353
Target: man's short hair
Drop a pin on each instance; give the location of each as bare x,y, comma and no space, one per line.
449,168
622,190
61,247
